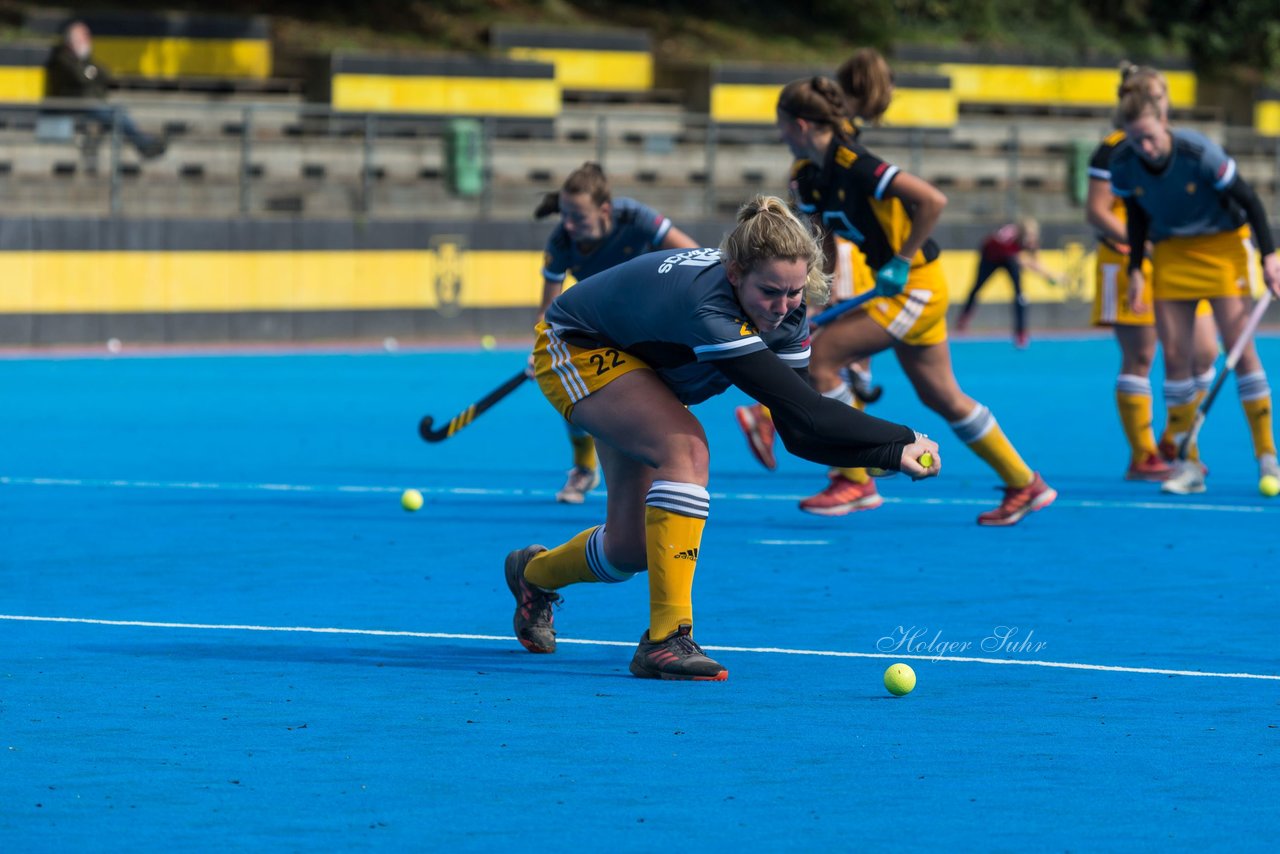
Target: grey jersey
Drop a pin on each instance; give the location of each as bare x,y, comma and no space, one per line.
679,313
1184,196
635,229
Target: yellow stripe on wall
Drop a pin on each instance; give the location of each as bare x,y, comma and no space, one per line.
1029,84
922,108
109,282
21,84
490,96
743,103
183,57
593,69
165,282
1266,118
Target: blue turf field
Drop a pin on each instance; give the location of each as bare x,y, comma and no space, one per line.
262,650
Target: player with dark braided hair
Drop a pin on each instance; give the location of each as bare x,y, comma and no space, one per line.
890,214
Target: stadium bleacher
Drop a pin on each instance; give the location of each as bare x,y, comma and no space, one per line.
171,46
373,136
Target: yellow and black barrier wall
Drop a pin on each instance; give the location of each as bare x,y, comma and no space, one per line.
440,86
22,72
584,60
1266,112
171,45
86,280
1007,78
747,94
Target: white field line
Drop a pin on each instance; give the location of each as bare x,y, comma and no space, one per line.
822,653
103,483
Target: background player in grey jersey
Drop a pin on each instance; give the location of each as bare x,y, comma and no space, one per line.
596,231
1182,192
624,353
1136,333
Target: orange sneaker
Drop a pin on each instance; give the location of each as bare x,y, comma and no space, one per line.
1151,468
843,496
757,426
1019,501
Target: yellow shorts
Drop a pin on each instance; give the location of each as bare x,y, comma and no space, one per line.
566,374
1111,295
1204,266
852,275
918,315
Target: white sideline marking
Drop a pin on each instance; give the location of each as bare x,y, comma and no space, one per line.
824,653
790,542
538,493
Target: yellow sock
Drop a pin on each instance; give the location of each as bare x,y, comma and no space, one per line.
980,431
1259,414
1255,397
1133,402
584,450
563,565
672,539
1178,418
1135,418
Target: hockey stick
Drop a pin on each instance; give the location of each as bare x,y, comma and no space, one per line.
830,314
466,416
1246,335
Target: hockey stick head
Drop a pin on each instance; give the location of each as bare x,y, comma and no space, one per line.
424,429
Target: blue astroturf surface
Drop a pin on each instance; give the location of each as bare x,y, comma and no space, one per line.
219,629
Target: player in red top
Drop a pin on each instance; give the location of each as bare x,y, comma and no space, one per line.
1010,248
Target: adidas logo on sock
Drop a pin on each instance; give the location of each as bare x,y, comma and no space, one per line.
687,554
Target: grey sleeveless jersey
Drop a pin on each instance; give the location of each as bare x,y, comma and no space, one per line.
1184,196
677,312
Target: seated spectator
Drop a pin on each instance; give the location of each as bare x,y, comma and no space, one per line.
70,72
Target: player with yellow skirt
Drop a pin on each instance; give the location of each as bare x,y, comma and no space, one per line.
890,214
1182,191
1135,332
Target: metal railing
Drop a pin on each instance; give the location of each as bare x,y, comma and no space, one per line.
240,159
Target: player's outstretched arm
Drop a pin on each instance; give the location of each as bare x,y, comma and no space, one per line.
823,430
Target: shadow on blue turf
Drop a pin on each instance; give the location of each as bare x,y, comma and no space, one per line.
444,657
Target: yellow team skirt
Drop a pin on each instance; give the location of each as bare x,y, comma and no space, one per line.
1204,266
918,315
1111,295
567,374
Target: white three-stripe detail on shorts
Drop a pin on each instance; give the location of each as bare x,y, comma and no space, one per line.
910,313
1110,293
562,364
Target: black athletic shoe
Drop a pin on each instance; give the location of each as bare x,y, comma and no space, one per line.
534,623
676,657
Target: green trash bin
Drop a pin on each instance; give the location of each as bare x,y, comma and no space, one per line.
464,156
1078,169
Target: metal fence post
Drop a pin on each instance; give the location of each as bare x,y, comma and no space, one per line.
1275,181
486,146
114,203
366,167
1011,192
246,150
709,166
